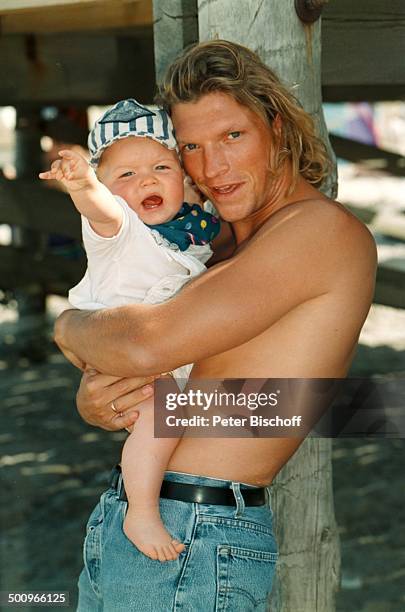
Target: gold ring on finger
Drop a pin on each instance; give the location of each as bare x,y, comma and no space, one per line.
113,408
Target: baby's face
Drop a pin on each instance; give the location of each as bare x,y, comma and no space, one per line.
147,175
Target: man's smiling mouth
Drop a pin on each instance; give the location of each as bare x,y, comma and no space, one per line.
225,189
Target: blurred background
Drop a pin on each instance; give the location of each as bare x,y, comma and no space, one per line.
61,62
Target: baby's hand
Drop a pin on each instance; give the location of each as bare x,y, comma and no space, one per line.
72,170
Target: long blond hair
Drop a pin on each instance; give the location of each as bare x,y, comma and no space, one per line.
223,66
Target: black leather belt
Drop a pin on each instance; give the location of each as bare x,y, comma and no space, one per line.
198,494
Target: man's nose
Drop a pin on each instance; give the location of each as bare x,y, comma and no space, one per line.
215,163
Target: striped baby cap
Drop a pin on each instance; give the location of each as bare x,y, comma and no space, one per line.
128,118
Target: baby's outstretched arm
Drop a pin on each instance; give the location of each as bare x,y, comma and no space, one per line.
91,198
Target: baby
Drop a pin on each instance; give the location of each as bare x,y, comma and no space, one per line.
143,243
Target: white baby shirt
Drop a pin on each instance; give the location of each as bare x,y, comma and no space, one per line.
138,265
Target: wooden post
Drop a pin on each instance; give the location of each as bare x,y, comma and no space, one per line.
308,570
175,26
30,299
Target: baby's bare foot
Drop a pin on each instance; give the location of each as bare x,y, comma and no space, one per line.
145,529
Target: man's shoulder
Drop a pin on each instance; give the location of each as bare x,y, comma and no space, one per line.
314,234
322,219
319,209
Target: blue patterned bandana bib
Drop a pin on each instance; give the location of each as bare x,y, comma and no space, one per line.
191,225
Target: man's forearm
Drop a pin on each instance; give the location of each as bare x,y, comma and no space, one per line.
226,307
108,340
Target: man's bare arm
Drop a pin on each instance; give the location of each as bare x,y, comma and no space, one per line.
306,251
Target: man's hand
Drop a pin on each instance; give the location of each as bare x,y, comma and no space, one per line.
72,170
110,402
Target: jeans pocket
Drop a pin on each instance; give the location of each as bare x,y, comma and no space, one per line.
95,518
244,578
92,545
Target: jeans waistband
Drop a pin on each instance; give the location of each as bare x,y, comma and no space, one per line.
198,493
203,480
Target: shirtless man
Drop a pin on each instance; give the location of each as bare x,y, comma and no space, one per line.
289,302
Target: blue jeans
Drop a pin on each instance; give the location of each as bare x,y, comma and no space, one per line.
228,564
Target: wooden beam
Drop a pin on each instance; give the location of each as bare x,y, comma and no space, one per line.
354,36
54,273
308,568
175,27
390,286
363,43
32,206
77,68
361,93
84,16
21,5
374,157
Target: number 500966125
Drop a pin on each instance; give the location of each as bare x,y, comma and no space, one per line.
39,598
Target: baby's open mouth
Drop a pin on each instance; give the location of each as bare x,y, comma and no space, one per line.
152,202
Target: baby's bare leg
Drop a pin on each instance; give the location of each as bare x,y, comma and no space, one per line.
144,461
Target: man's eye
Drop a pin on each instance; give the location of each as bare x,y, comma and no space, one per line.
233,135
129,173
162,167
189,147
